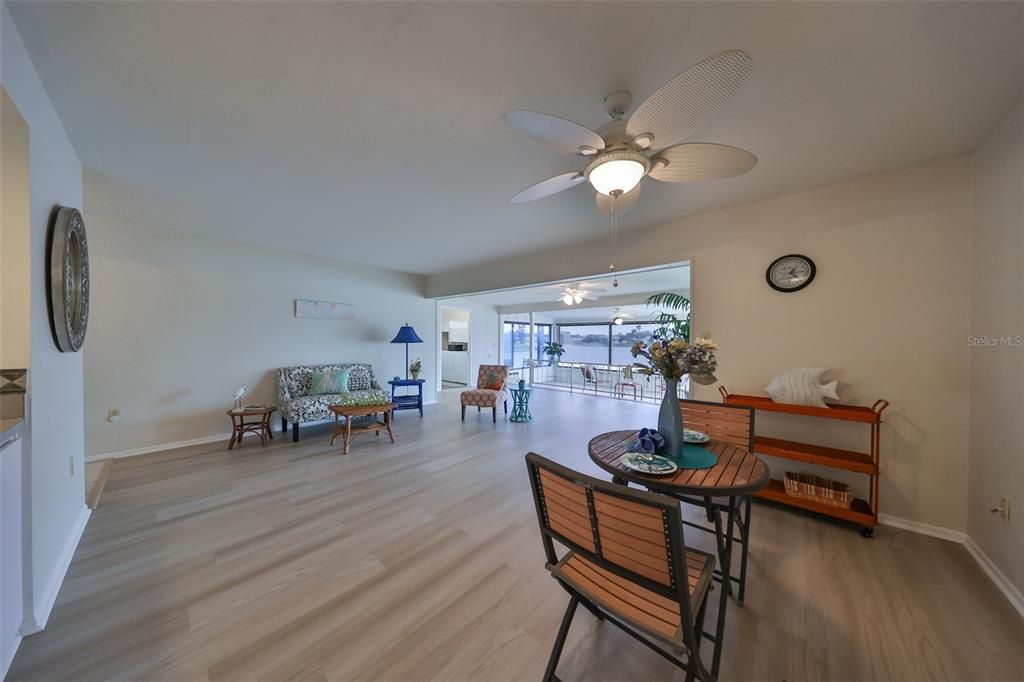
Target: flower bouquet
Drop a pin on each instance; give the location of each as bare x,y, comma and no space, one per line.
673,359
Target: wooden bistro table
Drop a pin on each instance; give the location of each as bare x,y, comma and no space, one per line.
738,474
351,412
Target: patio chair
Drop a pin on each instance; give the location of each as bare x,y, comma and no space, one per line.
589,376
730,424
626,562
627,381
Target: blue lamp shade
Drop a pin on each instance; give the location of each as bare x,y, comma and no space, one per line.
406,335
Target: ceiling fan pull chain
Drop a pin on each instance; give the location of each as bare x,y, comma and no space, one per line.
615,235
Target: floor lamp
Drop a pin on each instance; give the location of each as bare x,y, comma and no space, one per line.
406,335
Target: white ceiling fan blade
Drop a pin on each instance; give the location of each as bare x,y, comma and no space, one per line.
683,104
563,135
627,201
588,296
546,188
696,161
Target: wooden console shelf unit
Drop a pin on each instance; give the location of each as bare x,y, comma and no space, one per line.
862,512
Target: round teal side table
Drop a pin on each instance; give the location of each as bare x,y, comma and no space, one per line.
520,405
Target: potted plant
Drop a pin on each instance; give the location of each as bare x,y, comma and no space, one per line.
415,367
674,358
672,325
554,350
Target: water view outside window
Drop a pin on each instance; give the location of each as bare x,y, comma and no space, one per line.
515,342
584,343
542,335
603,344
623,337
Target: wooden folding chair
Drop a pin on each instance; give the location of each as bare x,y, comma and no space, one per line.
730,424
626,562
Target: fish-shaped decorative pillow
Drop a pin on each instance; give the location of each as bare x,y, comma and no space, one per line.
802,386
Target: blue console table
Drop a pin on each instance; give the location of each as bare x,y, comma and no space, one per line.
408,401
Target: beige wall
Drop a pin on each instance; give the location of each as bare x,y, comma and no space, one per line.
997,371
888,311
180,321
15,263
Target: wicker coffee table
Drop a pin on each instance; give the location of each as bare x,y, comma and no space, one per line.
352,427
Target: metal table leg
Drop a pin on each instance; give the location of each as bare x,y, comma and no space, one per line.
723,600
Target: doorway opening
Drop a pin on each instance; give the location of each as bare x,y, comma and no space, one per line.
455,347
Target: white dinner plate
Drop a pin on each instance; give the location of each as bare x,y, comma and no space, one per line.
649,464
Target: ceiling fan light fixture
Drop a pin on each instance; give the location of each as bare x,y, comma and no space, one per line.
617,320
643,140
617,171
577,298
567,299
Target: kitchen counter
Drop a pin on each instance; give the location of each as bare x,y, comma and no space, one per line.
9,428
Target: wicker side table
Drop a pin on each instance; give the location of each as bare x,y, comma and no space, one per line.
259,426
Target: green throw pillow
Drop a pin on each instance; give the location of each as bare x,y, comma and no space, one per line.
329,383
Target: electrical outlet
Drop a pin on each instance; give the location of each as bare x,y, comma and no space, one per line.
114,415
71,466
1003,509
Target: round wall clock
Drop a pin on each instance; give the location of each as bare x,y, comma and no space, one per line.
68,280
790,273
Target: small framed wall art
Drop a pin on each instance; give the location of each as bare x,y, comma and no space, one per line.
324,310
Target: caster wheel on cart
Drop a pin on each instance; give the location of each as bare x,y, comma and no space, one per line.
867,532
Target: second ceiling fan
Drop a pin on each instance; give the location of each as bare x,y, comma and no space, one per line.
651,142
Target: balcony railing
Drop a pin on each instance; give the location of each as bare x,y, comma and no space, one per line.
605,380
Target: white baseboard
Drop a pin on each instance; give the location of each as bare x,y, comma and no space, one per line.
9,652
35,622
149,449
1009,590
922,528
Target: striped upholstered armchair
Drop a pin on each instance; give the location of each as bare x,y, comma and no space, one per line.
491,388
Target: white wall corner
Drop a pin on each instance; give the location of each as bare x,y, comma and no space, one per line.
922,528
36,620
1009,590
10,649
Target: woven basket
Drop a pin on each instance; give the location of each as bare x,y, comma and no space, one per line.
811,487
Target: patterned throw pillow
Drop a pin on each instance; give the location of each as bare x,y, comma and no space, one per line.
329,383
359,378
493,380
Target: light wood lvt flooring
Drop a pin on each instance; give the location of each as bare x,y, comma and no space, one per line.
422,560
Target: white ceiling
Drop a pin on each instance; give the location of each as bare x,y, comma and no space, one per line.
603,314
373,131
633,287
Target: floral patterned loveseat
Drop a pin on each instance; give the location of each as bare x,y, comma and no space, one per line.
297,406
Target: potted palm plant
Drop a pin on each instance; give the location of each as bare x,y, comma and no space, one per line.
673,326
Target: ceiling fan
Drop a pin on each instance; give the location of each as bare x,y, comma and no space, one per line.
577,293
650,143
619,316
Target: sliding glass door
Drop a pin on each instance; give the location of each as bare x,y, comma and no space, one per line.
515,343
